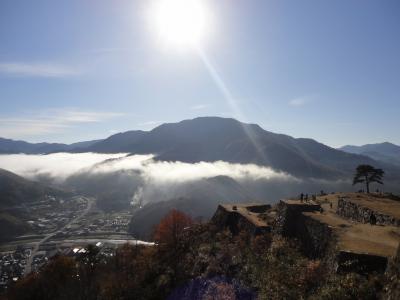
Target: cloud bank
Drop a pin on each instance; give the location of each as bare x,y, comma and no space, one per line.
58,165
63,165
120,180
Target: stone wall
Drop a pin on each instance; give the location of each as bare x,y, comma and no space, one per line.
236,222
351,210
315,237
288,215
360,263
392,287
258,208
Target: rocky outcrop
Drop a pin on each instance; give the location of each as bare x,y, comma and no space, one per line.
351,210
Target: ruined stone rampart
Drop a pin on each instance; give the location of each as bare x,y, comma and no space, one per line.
289,215
293,221
392,287
317,237
236,221
351,210
360,263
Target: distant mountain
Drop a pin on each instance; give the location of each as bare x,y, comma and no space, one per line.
15,190
386,152
8,146
214,138
120,142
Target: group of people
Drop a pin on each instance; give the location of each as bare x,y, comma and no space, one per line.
305,198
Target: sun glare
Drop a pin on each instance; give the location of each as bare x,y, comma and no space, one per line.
180,23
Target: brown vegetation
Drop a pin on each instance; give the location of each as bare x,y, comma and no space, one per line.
196,261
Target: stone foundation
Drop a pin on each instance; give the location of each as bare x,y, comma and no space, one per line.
292,221
360,263
287,220
351,210
236,222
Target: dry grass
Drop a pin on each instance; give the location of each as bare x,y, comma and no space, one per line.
254,218
357,237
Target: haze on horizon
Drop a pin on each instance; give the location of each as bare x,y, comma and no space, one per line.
73,70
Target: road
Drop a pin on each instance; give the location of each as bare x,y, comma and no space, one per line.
35,249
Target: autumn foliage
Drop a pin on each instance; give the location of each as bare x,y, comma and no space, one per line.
195,261
171,227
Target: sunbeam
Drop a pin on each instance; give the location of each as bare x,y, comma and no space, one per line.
230,100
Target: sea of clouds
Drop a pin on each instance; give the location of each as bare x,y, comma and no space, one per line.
60,166
142,179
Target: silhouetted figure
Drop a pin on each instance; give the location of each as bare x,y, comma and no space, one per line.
372,220
331,205
301,197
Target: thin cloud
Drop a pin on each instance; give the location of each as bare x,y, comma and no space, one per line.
199,107
49,121
148,124
49,70
300,101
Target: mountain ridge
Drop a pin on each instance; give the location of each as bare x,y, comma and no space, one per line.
214,138
10,146
386,151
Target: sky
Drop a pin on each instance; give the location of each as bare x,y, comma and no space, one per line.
73,70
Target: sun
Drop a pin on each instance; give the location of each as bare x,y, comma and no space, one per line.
180,23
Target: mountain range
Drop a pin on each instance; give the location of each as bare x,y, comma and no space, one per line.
8,146
213,139
207,139
387,152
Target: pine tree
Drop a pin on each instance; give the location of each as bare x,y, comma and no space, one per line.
368,174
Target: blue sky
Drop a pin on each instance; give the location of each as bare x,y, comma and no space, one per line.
84,69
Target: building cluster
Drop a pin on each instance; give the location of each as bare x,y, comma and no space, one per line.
12,266
97,223
52,213
13,263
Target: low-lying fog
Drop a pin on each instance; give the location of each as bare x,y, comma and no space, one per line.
119,180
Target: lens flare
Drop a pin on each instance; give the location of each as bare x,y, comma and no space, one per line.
180,23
